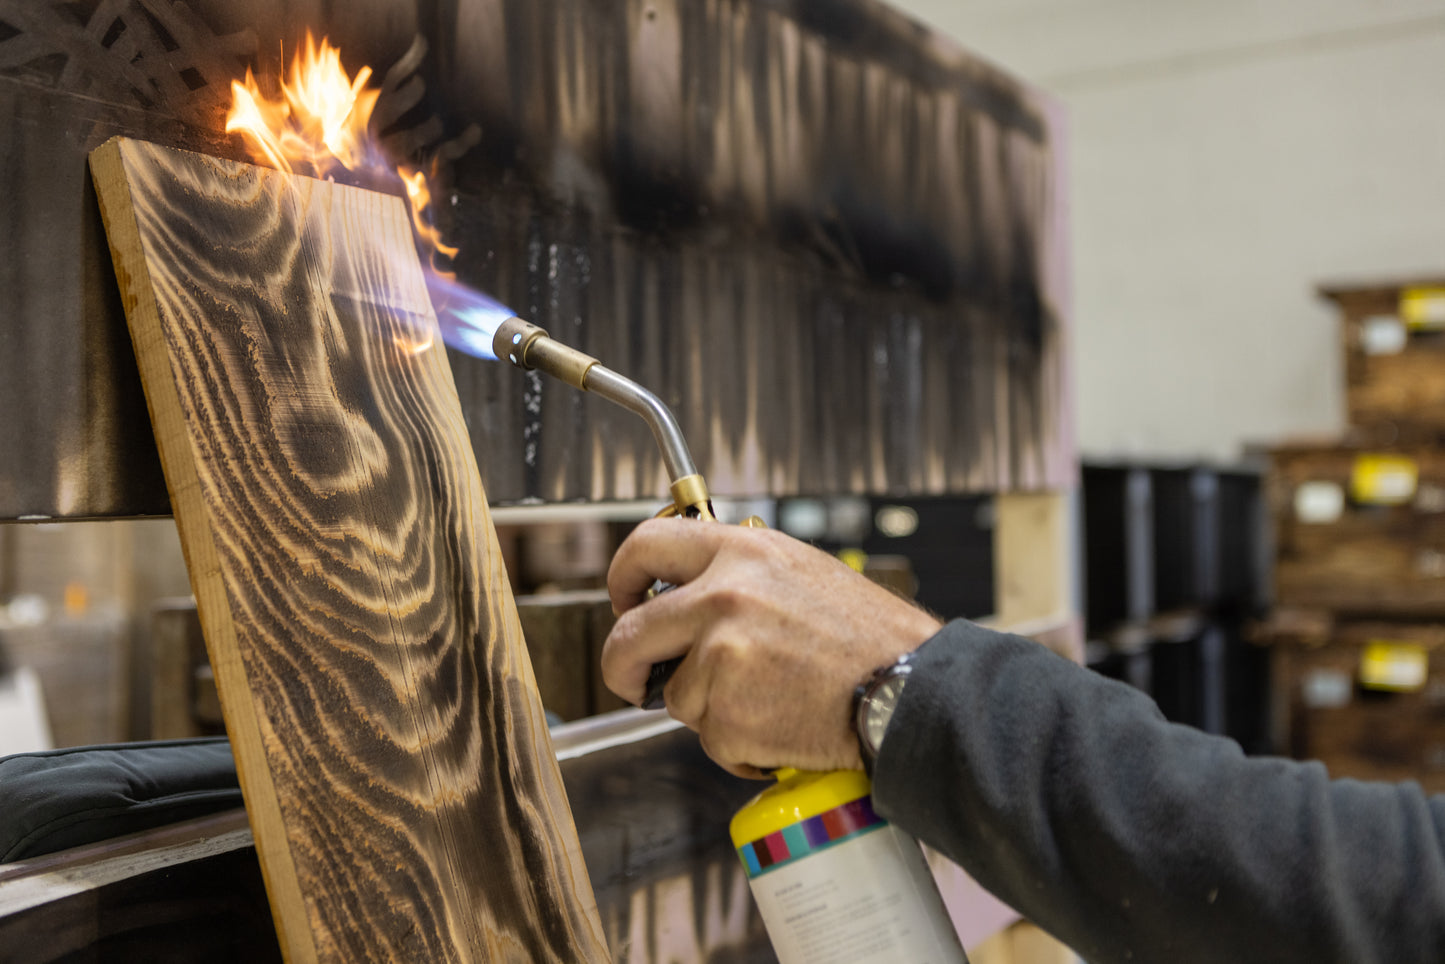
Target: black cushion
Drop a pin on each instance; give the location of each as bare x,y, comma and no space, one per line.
54,799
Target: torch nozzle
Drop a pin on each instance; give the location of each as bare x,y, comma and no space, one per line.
529,347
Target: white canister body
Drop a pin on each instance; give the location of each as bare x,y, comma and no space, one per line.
840,883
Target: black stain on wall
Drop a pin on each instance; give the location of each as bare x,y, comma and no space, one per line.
734,175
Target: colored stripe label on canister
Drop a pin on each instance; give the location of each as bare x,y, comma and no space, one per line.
836,882
809,836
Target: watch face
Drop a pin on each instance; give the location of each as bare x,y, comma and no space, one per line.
878,709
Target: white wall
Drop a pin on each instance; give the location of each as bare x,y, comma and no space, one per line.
1227,156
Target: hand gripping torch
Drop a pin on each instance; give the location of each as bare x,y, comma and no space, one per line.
530,347
916,925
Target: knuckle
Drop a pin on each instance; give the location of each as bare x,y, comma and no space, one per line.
757,543
721,653
728,600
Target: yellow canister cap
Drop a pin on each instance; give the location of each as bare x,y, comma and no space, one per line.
797,796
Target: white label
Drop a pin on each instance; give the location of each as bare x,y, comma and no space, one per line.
1430,563
1383,335
1394,487
1429,498
1319,503
867,900
803,518
896,521
1326,689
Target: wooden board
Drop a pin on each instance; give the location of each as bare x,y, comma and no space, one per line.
393,752
1023,943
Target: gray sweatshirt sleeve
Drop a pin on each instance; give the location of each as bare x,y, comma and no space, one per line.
1133,839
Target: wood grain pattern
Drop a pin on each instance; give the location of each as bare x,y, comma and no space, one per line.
392,749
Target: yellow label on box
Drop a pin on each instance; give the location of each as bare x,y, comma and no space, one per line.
1384,479
1397,667
1423,307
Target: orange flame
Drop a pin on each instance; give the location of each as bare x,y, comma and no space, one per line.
319,120
419,195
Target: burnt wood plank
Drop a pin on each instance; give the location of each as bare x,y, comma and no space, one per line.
392,749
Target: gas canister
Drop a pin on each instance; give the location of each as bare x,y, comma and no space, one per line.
836,882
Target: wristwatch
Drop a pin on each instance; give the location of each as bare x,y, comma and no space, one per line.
873,704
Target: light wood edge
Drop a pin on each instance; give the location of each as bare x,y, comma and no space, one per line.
278,869
1033,570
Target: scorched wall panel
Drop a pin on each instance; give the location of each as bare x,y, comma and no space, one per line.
833,242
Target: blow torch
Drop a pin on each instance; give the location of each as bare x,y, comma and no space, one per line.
529,347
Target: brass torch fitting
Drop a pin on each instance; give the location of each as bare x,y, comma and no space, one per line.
529,347
690,492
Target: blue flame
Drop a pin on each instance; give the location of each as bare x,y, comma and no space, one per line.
468,318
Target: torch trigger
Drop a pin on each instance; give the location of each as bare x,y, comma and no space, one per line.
657,679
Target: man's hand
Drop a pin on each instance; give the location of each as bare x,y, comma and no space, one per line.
777,636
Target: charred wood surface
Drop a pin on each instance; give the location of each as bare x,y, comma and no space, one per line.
831,240
392,749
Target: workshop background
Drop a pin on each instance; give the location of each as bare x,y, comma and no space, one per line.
1255,201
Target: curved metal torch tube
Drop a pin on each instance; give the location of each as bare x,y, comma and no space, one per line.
528,346
601,380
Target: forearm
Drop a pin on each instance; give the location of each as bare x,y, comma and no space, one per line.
1130,838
